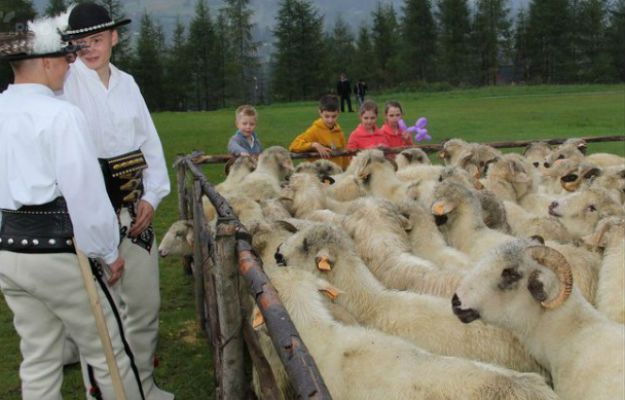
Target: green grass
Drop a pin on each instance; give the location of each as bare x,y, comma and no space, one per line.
481,115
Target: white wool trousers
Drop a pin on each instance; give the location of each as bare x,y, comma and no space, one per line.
138,295
46,294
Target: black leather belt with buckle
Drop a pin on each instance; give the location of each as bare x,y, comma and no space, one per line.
44,228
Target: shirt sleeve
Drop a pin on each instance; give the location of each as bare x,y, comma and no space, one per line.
235,148
80,180
155,177
303,142
352,142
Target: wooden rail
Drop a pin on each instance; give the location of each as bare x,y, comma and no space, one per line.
220,306
199,158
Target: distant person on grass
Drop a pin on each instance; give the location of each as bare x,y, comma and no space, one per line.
367,135
325,134
394,135
245,142
344,89
360,90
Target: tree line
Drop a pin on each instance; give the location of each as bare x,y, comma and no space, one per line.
213,61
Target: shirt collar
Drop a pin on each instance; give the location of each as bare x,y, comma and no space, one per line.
93,75
30,88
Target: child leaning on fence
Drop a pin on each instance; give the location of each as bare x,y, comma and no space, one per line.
367,135
325,134
394,135
245,142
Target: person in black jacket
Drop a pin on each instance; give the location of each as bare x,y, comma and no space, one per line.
344,89
360,90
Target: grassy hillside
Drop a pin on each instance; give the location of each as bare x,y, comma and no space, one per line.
482,115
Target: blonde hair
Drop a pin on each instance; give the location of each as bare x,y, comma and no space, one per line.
245,111
368,105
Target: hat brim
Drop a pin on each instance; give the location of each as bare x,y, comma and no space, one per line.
25,56
81,33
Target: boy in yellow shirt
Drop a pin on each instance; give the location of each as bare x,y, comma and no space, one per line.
325,134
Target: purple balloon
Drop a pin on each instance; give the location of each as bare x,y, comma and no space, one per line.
421,122
402,125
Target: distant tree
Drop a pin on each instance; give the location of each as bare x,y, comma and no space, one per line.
341,50
491,32
384,37
363,57
228,74
454,35
243,64
592,55
550,52
177,71
418,33
148,68
300,63
202,41
615,38
520,50
55,7
13,17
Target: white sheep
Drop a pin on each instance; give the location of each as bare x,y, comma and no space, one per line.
412,156
178,240
458,215
525,224
610,236
528,289
580,211
358,363
535,153
305,193
379,232
424,320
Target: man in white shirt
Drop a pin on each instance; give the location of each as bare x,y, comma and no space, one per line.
124,135
51,189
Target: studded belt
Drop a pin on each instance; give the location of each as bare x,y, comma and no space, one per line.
123,176
44,228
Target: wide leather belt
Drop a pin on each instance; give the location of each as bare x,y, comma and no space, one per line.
123,176
44,228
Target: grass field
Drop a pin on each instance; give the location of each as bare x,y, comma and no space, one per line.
481,115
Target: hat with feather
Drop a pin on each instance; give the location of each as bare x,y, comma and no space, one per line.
41,39
88,19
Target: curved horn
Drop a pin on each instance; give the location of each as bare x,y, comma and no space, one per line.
556,262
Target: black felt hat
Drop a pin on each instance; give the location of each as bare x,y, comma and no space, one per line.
89,18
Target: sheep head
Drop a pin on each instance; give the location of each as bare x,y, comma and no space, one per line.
178,239
514,286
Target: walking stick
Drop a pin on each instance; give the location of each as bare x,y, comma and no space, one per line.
96,308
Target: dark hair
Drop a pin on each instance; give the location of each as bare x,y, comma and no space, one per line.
329,102
392,103
368,105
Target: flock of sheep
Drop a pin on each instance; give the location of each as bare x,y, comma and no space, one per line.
490,276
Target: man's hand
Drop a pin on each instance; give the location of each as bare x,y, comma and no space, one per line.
145,212
323,151
117,269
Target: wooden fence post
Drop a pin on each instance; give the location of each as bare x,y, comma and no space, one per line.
183,204
226,274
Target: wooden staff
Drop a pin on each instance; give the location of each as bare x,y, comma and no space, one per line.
96,308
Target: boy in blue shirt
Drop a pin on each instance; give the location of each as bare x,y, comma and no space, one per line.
245,142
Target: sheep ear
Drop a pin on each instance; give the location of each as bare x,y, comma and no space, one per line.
582,147
257,319
536,287
442,207
327,180
328,290
287,225
405,223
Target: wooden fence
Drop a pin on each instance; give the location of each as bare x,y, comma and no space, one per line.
224,263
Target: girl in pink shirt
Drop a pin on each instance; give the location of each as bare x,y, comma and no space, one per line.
394,135
367,135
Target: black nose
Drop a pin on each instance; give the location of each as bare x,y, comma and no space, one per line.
466,316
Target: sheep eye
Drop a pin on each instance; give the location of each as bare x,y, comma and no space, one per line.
569,178
305,245
561,157
592,208
440,178
365,179
535,164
